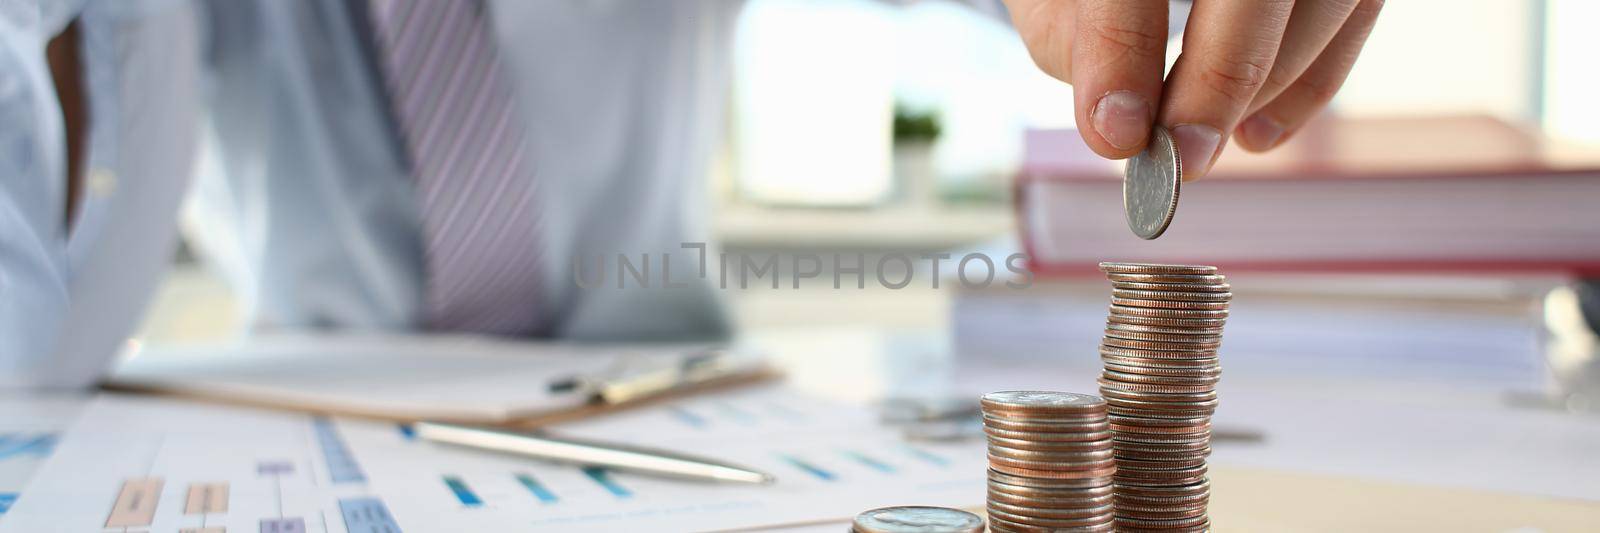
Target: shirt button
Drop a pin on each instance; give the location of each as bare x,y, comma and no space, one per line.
102,182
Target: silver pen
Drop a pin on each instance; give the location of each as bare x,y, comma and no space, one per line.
615,456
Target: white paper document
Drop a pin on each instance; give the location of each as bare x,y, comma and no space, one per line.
405,377
30,425
158,465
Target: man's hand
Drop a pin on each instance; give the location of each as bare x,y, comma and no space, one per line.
1257,68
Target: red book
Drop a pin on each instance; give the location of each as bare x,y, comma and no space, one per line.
1444,194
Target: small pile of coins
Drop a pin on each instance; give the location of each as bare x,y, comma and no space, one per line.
917,519
1159,381
1050,461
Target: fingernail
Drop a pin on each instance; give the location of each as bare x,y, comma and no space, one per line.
1197,144
1123,119
1259,132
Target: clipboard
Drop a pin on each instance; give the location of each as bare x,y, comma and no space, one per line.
457,379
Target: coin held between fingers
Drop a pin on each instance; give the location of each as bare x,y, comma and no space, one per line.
1198,145
1122,118
1151,182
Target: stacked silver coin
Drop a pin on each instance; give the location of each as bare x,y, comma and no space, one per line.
1050,461
1159,381
916,519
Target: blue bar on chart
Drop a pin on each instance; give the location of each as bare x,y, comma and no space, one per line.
283,525
868,461
808,468
367,515
926,455
602,477
741,416
785,412
688,417
38,445
538,489
342,467
462,491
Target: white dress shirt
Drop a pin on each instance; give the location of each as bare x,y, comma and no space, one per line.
302,199
304,202
67,304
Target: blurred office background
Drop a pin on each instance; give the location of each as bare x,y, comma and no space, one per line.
902,130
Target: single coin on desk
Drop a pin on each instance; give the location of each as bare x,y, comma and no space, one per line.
917,519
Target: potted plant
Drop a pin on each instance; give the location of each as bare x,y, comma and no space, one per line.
915,132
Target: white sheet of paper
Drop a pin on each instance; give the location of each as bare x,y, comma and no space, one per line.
30,425
291,470
1415,432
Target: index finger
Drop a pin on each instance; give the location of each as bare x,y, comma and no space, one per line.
1228,49
1118,55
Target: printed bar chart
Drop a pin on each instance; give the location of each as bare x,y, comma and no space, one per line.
539,491
342,466
38,445
868,461
462,492
926,456
177,467
736,414
688,417
182,467
603,478
283,525
274,468
367,515
809,468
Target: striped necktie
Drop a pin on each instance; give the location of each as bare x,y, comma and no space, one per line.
467,147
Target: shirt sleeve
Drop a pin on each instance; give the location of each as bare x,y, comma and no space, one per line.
33,272
142,71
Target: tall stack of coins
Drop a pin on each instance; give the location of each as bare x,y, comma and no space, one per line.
1050,461
1160,378
917,519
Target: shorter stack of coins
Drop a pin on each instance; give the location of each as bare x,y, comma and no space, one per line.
917,519
1160,378
1050,462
